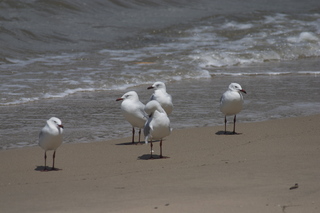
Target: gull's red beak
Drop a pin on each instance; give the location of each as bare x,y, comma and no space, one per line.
119,99
243,91
151,87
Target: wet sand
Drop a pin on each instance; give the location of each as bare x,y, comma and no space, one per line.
206,171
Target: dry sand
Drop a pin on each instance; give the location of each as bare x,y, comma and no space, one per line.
205,172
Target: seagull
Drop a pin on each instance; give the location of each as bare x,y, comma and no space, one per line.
133,111
50,138
160,94
231,103
158,125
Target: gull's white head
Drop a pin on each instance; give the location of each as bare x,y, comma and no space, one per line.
236,87
132,95
158,85
55,121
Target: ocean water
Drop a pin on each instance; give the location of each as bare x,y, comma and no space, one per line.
72,59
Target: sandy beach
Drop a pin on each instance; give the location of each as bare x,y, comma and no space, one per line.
206,172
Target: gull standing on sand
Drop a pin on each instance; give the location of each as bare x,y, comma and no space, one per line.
231,103
133,111
158,125
160,94
50,138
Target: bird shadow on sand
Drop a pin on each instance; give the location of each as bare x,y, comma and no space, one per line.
130,143
227,133
154,157
48,169
136,143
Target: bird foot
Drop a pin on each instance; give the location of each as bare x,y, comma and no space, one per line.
231,133
45,169
236,133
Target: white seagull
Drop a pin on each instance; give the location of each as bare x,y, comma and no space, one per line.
231,103
133,111
158,125
50,138
160,94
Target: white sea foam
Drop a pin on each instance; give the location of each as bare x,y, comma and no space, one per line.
303,37
64,58
260,73
271,38
237,25
66,93
196,52
315,73
19,101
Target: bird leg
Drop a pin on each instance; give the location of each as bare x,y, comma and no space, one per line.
161,149
45,161
151,145
225,124
234,124
139,134
53,158
133,135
